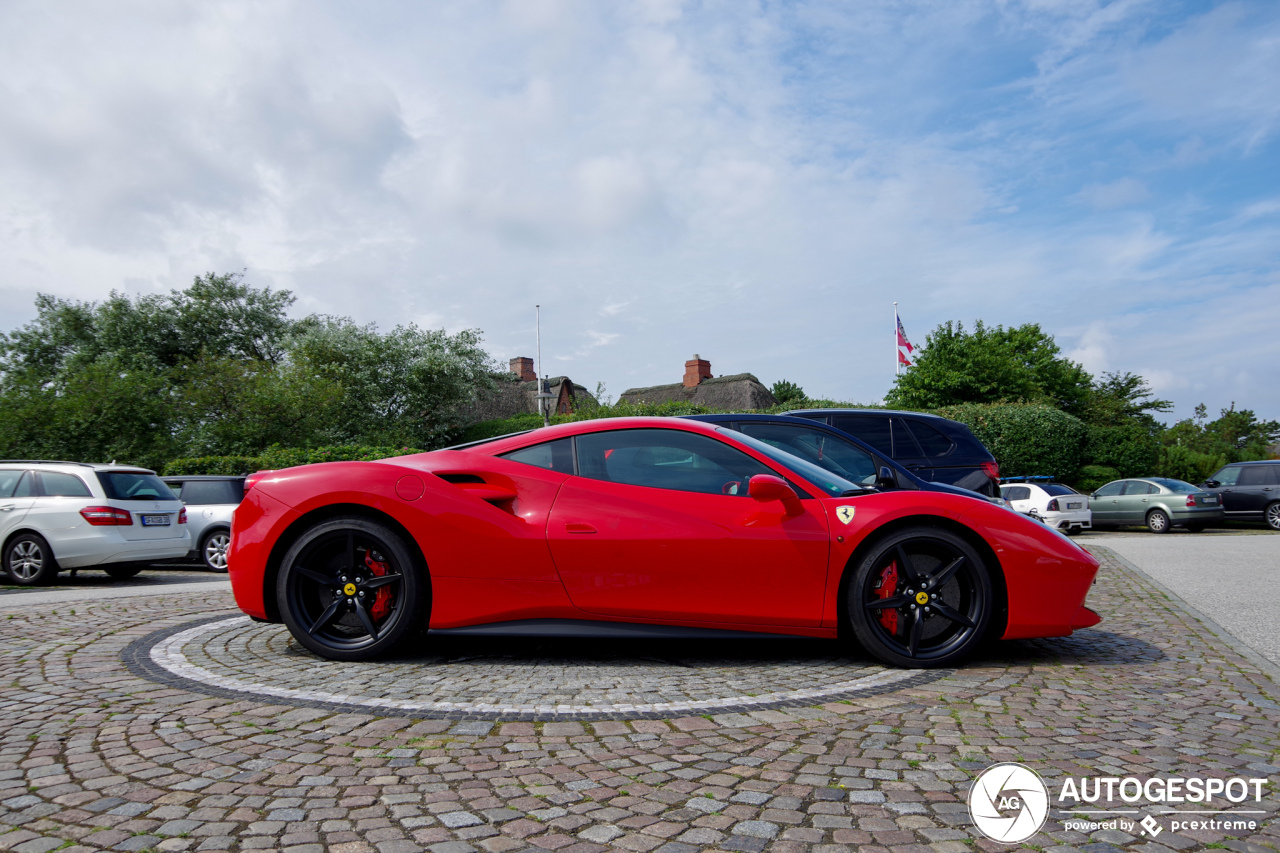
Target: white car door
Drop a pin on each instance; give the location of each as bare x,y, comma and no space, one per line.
17,494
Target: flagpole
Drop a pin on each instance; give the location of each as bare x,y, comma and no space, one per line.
897,362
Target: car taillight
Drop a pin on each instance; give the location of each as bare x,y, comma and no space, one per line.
1053,506
252,479
107,516
991,469
182,515
1191,500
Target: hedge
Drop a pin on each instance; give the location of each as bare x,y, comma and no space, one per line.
276,457
1026,439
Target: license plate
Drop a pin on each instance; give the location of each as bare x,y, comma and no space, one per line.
155,521
1208,500
1074,505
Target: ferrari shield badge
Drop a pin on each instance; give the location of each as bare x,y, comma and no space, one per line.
845,513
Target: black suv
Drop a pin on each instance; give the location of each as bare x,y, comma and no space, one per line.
833,450
1250,491
933,448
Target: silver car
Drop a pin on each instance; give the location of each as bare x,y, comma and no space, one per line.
73,515
210,502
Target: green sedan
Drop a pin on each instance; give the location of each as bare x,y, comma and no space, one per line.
1159,503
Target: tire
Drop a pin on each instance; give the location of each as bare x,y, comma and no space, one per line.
1272,515
28,560
321,586
213,549
1158,522
956,577
123,571
1195,528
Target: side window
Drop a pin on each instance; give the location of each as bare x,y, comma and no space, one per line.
666,459
828,451
57,485
932,442
1110,490
1227,476
9,483
1019,493
1256,475
212,492
874,431
175,487
1138,487
26,486
552,455
903,444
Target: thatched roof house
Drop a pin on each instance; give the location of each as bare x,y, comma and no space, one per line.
731,393
517,394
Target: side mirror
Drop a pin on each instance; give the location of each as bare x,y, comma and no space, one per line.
1212,484
885,479
766,487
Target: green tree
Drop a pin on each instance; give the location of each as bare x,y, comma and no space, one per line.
404,387
787,392
991,365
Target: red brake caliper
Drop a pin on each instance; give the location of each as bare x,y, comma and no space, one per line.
885,589
382,603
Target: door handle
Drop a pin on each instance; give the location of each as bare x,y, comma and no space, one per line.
1144,500
578,527
6,507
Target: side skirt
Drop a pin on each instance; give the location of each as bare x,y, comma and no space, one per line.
589,628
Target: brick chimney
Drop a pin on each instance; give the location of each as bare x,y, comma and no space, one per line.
695,371
523,367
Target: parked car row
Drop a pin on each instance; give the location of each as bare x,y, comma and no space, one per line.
57,516
1241,491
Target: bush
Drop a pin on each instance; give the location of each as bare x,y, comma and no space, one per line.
276,457
1026,439
1183,463
1131,449
1093,476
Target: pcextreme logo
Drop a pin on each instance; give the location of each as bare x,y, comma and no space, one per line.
1009,802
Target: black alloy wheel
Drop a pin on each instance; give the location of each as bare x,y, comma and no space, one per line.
28,561
1158,521
921,598
349,589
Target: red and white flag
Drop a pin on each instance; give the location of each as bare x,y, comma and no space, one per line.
903,343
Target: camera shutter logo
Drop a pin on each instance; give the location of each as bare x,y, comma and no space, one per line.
1009,802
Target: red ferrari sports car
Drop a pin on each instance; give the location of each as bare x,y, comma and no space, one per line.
636,527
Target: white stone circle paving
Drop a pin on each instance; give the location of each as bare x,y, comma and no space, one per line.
239,655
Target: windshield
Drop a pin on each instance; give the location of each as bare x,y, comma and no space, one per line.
1176,486
133,486
831,485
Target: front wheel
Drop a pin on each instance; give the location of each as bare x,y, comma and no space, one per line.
1272,515
921,598
1158,522
28,561
349,589
213,550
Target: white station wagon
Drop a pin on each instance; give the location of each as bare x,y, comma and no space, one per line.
73,515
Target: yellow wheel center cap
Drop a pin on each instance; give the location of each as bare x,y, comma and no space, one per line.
922,598
350,589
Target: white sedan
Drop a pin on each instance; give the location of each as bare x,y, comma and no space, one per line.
1058,506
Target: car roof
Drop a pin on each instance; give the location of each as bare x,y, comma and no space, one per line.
730,417
866,412
96,466
1254,462
204,476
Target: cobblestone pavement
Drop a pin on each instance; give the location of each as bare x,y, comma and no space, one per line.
93,756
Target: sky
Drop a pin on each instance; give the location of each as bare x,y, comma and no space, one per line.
754,182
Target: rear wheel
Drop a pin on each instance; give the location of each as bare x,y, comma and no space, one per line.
921,598
1158,522
1272,515
28,561
213,549
349,589
123,571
